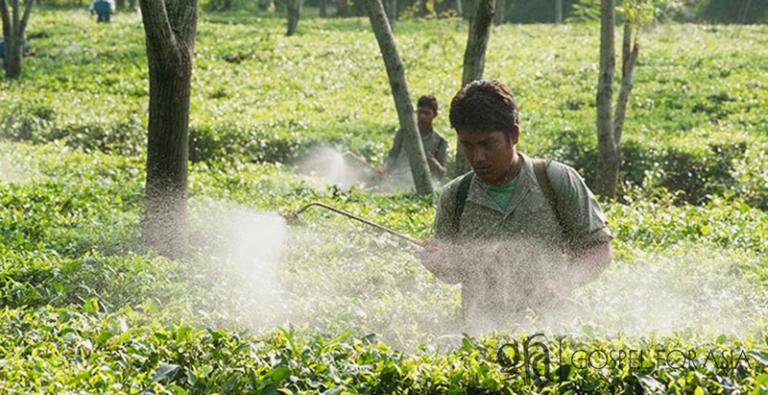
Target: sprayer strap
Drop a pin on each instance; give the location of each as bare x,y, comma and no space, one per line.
540,170
461,197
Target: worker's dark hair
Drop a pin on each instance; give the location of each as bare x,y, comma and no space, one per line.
484,106
427,101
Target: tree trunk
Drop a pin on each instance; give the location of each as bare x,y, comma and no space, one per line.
13,58
474,61
323,10
14,25
608,150
170,27
396,73
499,15
294,11
558,11
120,4
423,10
342,8
459,8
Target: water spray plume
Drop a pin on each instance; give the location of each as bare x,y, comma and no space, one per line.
293,216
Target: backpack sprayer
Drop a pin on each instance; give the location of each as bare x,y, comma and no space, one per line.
293,216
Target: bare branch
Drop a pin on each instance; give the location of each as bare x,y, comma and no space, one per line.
182,20
15,16
6,19
626,47
477,41
187,24
158,28
624,91
25,18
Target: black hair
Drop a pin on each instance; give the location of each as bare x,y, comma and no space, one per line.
428,101
484,106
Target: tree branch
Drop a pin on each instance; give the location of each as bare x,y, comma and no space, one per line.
626,47
187,24
477,41
25,18
6,19
15,16
158,29
625,90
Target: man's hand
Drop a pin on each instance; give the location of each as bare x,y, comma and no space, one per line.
434,165
586,266
438,259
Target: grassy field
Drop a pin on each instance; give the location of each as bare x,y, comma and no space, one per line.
342,310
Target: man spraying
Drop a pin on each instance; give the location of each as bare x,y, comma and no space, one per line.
519,234
435,145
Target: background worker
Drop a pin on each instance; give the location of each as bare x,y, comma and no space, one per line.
103,9
435,145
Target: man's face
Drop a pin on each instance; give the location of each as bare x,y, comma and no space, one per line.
425,115
490,153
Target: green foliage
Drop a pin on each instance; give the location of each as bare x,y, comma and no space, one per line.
638,12
732,11
87,309
261,96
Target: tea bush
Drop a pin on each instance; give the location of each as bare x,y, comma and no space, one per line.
87,308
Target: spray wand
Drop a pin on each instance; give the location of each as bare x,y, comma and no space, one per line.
293,216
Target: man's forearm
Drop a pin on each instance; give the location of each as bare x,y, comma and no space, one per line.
439,170
440,258
588,264
435,166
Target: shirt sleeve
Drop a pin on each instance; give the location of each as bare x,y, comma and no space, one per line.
580,212
446,230
442,152
394,152
445,227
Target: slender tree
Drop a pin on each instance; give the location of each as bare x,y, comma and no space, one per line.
342,8
610,124
294,12
474,59
170,27
499,14
558,11
14,25
744,11
607,176
396,73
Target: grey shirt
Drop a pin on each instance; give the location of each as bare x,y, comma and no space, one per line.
504,258
434,144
